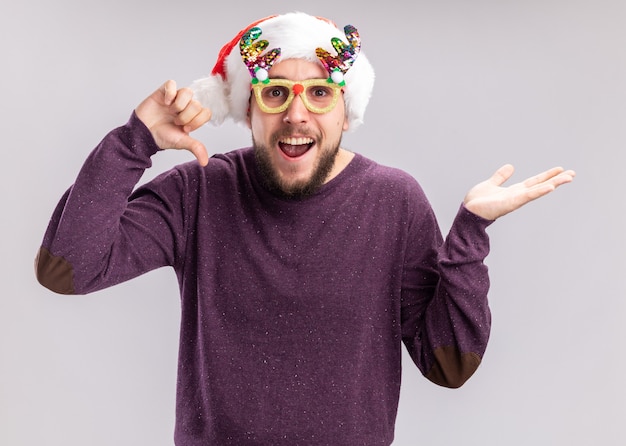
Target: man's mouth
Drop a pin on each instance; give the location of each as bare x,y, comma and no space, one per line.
295,147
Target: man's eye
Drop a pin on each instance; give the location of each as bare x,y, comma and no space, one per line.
320,92
275,92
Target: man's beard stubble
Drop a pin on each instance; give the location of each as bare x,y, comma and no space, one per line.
271,178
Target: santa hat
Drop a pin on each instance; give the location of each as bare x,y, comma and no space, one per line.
296,35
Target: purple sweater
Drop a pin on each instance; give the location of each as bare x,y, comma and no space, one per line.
293,311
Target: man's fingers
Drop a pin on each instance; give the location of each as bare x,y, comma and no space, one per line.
201,118
542,177
189,113
539,190
547,182
565,177
183,97
169,92
561,178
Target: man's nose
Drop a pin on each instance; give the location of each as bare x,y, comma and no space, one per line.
297,112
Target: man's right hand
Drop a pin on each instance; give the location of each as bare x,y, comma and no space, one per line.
171,114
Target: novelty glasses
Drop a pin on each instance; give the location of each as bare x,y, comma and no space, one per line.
275,95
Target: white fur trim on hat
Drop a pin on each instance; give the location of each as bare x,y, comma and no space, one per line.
227,90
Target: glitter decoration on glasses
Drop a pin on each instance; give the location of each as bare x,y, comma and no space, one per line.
337,66
258,65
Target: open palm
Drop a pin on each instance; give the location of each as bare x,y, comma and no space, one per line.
491,200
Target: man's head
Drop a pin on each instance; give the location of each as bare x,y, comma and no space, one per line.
296,82
298,36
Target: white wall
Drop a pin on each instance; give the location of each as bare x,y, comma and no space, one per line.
463,86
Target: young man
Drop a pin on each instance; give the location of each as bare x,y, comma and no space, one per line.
303,267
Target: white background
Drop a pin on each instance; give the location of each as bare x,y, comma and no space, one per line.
463,86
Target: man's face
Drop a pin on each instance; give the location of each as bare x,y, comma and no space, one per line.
296,148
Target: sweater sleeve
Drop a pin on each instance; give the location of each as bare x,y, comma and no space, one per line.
101,232
446,319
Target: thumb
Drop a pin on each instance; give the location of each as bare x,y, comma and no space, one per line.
196,148
502,174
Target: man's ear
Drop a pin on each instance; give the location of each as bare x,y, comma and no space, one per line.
248,117
346,121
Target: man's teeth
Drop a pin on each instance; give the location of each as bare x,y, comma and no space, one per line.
296,141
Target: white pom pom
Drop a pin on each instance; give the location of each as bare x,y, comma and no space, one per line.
261,74
337,76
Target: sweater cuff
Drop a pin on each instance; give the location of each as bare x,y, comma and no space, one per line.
138,137
471,218
468,236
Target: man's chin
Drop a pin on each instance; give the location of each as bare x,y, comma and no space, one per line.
293,188
279,184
